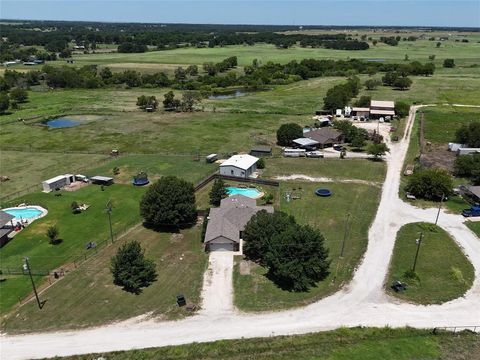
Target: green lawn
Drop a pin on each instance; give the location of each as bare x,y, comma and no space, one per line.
87,296
359,169
444,273
342,344
255,292
75,230
474,226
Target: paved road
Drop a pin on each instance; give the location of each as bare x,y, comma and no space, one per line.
361,302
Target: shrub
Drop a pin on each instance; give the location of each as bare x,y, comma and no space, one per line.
469,134
131,270
18,95
401,109
75,208
377,150
430,184
52,233
449,63
169,202
218,192
261,163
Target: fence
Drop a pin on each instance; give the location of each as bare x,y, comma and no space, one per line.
216,175
455,329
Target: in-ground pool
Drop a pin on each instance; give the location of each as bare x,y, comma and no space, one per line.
26,213
248,192
62,122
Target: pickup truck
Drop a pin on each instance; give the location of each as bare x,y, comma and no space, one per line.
473,211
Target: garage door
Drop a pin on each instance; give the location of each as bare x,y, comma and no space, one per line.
221,247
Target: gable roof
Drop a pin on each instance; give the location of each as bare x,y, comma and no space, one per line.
382,104
231,217
324,135
5,218
305,141
243,161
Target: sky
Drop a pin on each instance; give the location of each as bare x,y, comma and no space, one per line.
272,12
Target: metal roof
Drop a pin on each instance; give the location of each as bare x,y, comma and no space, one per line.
243,162
360,109
57,178
382,112
382,104
305,141
101,178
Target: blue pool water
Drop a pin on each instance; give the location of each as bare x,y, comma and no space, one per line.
248,192
62,123
24,213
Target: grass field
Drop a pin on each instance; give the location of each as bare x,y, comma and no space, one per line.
444,273
474,226
255,292
75,230
359,169
180,261
342,344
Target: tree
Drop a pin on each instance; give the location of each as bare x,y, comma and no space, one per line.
449,63
389,78
363,101
189,99
4,102
286,133
298,259
170,202
145,102
65,53
372,84
192,70
130,268
430,184
18,95
439,44
169,102
218,192
180,74
402,83
468,166
52,233
469,134
106,74
377,150
401,109
261,163
358,141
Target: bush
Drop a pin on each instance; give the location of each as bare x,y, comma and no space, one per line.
430,184
218,192
286,133
402,83
18,95
4,102
131,270
469,134
377,150
261,163
170,202
75,208
401,109
449,63
52,233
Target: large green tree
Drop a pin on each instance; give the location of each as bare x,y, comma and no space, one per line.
218,192
18,95
401,109
4,102
469,134
170,202
377,149
286,133
430,184
130,268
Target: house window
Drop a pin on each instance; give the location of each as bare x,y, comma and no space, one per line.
231,172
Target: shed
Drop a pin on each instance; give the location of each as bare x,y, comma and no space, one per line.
241,166
101,180
261,150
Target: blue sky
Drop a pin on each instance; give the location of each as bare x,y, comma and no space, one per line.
286,12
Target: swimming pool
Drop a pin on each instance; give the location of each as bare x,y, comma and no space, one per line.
248,192
26,212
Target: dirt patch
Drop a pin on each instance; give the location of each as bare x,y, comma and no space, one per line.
175,238
75,186
245,267
438,156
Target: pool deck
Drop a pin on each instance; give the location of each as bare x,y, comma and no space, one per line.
29,221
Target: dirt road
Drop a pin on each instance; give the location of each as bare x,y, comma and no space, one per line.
362,302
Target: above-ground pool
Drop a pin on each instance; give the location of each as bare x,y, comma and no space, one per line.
248,192
29,213
62,123
323,192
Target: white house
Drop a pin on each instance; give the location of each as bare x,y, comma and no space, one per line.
239,166
57,182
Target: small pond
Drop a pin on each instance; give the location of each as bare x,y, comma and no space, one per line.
62,123
229,95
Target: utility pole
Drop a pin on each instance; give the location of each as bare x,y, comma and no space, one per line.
345,235
439,208
108,209
418,242
27,267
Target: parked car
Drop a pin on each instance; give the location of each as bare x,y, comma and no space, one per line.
473,211
314,154
338,147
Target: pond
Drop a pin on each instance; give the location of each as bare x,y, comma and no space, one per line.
228,95
62,123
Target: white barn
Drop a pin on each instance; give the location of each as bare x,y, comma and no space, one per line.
239,166
57,182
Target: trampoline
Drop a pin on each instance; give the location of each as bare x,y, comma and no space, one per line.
140,179
323,192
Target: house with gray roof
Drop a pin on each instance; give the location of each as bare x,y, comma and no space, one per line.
324,137
226,223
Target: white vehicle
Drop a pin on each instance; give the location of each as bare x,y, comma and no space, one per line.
314,154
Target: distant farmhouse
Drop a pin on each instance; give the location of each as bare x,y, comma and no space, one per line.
226,223
378,109
319,139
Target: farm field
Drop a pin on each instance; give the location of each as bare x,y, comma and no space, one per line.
444,273
342,344
76,230
255,292
180,263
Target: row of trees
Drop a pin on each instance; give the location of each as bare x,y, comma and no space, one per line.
295,255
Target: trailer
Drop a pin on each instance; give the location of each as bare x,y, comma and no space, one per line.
294,152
